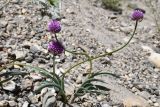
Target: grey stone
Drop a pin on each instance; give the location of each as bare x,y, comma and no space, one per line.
156,105
3,23
49,99
1,97
10,86
34,49
29,59
41,61
4,103
33,98
25,104
20,55
135,101
144,94
105,105
12,103
27,84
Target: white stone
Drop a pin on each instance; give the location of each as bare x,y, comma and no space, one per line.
25,104
135,101
10,86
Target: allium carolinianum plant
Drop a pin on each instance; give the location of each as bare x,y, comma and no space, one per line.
55,47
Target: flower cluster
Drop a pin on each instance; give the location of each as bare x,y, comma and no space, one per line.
55,47
54,26
138,14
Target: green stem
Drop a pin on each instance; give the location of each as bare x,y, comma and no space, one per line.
123,46
56,37
89,58
54,64
106,53
74,67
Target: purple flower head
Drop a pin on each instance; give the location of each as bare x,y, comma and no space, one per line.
55,47
138,14
140,10
54,26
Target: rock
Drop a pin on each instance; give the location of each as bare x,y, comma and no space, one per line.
12,103
153,57
27,84
153,99
156,105
87,104
105,105
1,97
79,79
101,97
135,101
158,101
24,11
35,48
75,105
49,98
34,98
10,27
41,61
4,103
70,11
3,23
25,104
144,94
69,88
29,59
17,67
6,97
44,91
20,55
35,76
15,1
10,86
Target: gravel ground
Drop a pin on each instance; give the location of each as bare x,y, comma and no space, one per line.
23,32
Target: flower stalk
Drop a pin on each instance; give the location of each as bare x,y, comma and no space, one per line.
106,53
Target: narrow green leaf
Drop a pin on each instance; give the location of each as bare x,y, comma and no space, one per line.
81,90
79,94
87,85
91,88
100,87
43,72
62,83
92,80
103,73
96,92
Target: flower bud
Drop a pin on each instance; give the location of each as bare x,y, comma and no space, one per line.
55,47
138,14
54,26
